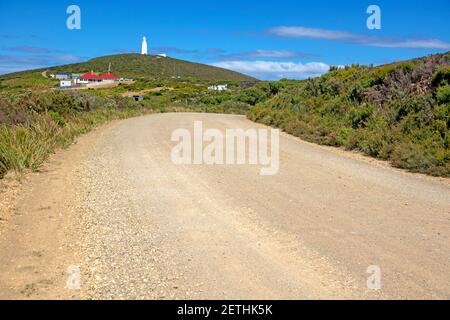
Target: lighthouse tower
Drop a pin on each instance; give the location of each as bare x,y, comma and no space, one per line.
144,49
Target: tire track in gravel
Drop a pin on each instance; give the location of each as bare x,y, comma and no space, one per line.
141,227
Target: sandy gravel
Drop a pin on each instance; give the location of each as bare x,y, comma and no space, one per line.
141,227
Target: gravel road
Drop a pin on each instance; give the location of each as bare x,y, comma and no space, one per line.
141,227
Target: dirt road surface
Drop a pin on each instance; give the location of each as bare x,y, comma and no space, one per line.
140,227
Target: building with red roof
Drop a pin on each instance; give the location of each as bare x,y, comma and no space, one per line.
109,76
91,77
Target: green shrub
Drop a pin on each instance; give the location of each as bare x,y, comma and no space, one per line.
343,137
405,66
57,118
370,143
360,115
412,157
443,94
252,96
441,77
389,112
356,93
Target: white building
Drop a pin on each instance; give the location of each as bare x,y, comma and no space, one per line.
62,76
223,87
144,48
65,83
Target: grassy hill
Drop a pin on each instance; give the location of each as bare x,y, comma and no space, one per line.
154,67
133,66
147,67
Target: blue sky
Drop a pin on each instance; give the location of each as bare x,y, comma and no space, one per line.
267,39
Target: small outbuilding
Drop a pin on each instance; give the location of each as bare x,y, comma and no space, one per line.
65,83
63,76
138,98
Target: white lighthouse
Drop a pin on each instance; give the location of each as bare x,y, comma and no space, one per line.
144,49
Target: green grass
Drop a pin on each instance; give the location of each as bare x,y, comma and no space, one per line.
34,124
27,146
29,80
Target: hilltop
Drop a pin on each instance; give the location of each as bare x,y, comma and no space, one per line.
153,67
147,67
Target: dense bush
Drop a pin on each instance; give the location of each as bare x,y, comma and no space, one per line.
442,76
443,94
399,112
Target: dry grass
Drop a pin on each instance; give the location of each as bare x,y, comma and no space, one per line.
27,146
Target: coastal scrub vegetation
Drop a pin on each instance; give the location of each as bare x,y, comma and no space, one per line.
398,112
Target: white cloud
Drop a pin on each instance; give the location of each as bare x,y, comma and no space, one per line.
67,58
280,54
272,70
10,69
411,44
302,32
262,54
360,39
14,63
